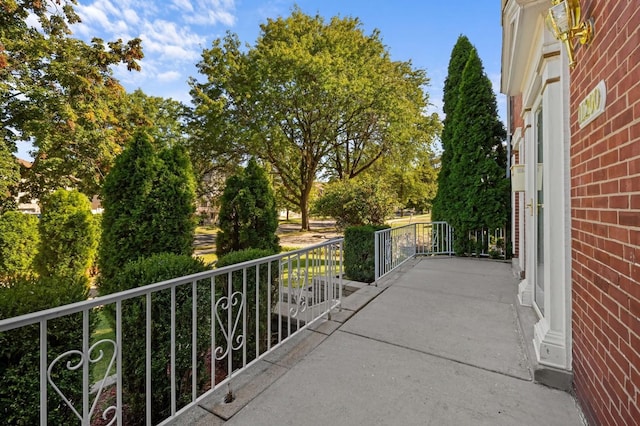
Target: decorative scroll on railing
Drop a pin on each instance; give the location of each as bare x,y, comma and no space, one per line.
221,321
84,361
394,246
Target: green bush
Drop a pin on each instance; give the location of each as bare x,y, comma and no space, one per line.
462,245
156,268
20,350
18,243
68,235
359,252
356,202
248,216
222,286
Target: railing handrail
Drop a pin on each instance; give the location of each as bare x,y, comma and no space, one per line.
72,308
408,225
390,252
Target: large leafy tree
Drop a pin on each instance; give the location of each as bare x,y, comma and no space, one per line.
58,93
442,203
478,160
164,119
310,97
414,183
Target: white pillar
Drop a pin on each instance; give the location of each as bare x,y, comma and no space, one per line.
525,288
552,334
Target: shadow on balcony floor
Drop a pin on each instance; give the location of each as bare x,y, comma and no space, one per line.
437,342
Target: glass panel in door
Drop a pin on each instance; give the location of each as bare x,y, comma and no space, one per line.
538,208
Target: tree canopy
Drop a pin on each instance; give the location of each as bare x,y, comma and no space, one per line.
310,97
58,93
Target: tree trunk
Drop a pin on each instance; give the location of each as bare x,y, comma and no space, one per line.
305,214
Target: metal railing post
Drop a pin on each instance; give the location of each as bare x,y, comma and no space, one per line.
376,254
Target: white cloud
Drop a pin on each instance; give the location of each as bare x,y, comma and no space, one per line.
168,32
93,16
212,17
173,33
131,16
165,38
169,76
184,5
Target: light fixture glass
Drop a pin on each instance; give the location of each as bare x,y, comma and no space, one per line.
563,19
560,16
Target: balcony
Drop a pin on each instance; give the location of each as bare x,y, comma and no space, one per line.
435,340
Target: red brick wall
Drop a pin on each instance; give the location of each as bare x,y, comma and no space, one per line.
605,210
516,216
516,112
517,123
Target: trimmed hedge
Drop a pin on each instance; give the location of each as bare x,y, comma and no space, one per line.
153,269
68,235
20,350
359,252
18,243
222,286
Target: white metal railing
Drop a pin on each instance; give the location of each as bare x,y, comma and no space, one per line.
486,242
394,246
230,326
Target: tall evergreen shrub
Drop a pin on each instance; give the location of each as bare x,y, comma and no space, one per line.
442,209
127,220
479,157
248,216
148,229
473,192
149,208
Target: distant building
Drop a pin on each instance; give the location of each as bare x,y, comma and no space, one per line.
31,205
575,135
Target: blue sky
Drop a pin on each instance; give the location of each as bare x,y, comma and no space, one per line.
174,33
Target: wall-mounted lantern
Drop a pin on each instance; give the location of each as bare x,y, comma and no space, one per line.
563,20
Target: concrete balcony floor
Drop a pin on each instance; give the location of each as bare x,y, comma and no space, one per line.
438,342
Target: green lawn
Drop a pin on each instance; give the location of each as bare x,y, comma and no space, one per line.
208,257
409,220
207,230
314,267
103,331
